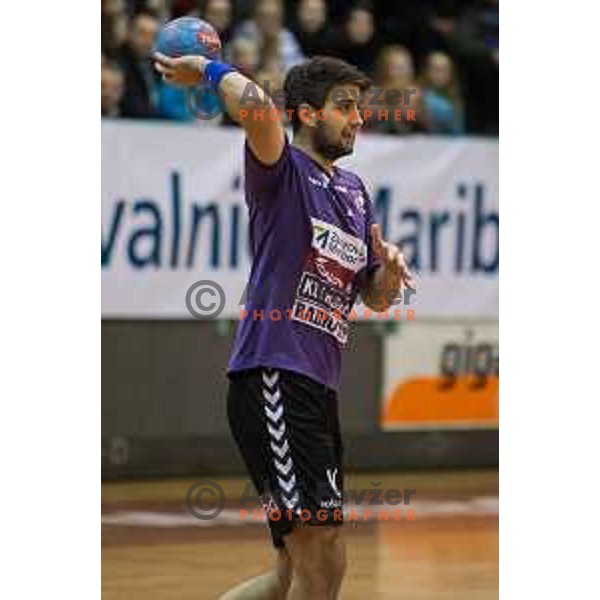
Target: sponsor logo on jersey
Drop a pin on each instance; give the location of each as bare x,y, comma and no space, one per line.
328,298
332,242
316,316
321,267
324,296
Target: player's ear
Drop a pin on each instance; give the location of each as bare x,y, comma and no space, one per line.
307,114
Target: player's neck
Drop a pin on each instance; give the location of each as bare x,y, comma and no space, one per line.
304,144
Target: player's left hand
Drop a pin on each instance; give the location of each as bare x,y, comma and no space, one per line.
393,259
184,71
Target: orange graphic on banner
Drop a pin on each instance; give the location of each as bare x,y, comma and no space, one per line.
433,400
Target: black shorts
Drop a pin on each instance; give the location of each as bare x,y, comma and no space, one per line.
286,427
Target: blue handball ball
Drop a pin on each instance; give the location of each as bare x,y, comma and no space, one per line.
188,36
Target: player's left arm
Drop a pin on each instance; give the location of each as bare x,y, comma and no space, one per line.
253,111
389,277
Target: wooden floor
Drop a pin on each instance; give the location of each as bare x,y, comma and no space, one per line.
446,553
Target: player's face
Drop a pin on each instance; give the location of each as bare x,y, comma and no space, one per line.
335,132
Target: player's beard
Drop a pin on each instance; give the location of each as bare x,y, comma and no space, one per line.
327,147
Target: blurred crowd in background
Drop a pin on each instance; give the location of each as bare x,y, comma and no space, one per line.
445,50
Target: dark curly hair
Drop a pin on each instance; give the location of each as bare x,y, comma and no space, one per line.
312,81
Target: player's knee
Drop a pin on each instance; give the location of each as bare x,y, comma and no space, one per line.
317,554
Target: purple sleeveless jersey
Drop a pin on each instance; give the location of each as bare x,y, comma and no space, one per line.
310,243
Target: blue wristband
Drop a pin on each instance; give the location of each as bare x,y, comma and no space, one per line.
215,71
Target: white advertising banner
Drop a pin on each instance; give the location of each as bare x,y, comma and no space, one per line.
173,215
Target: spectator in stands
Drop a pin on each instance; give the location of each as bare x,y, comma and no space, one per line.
219,14
277,44
358,43
160,8
395,68
244,56
442,104
458,39
474,52
112,84
110,8
395,77
114,25
140,99
312,28
480,22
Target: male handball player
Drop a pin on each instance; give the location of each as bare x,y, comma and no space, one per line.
315,247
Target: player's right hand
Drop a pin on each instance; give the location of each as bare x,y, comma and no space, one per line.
185,71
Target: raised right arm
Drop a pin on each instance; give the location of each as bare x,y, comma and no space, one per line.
245,102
